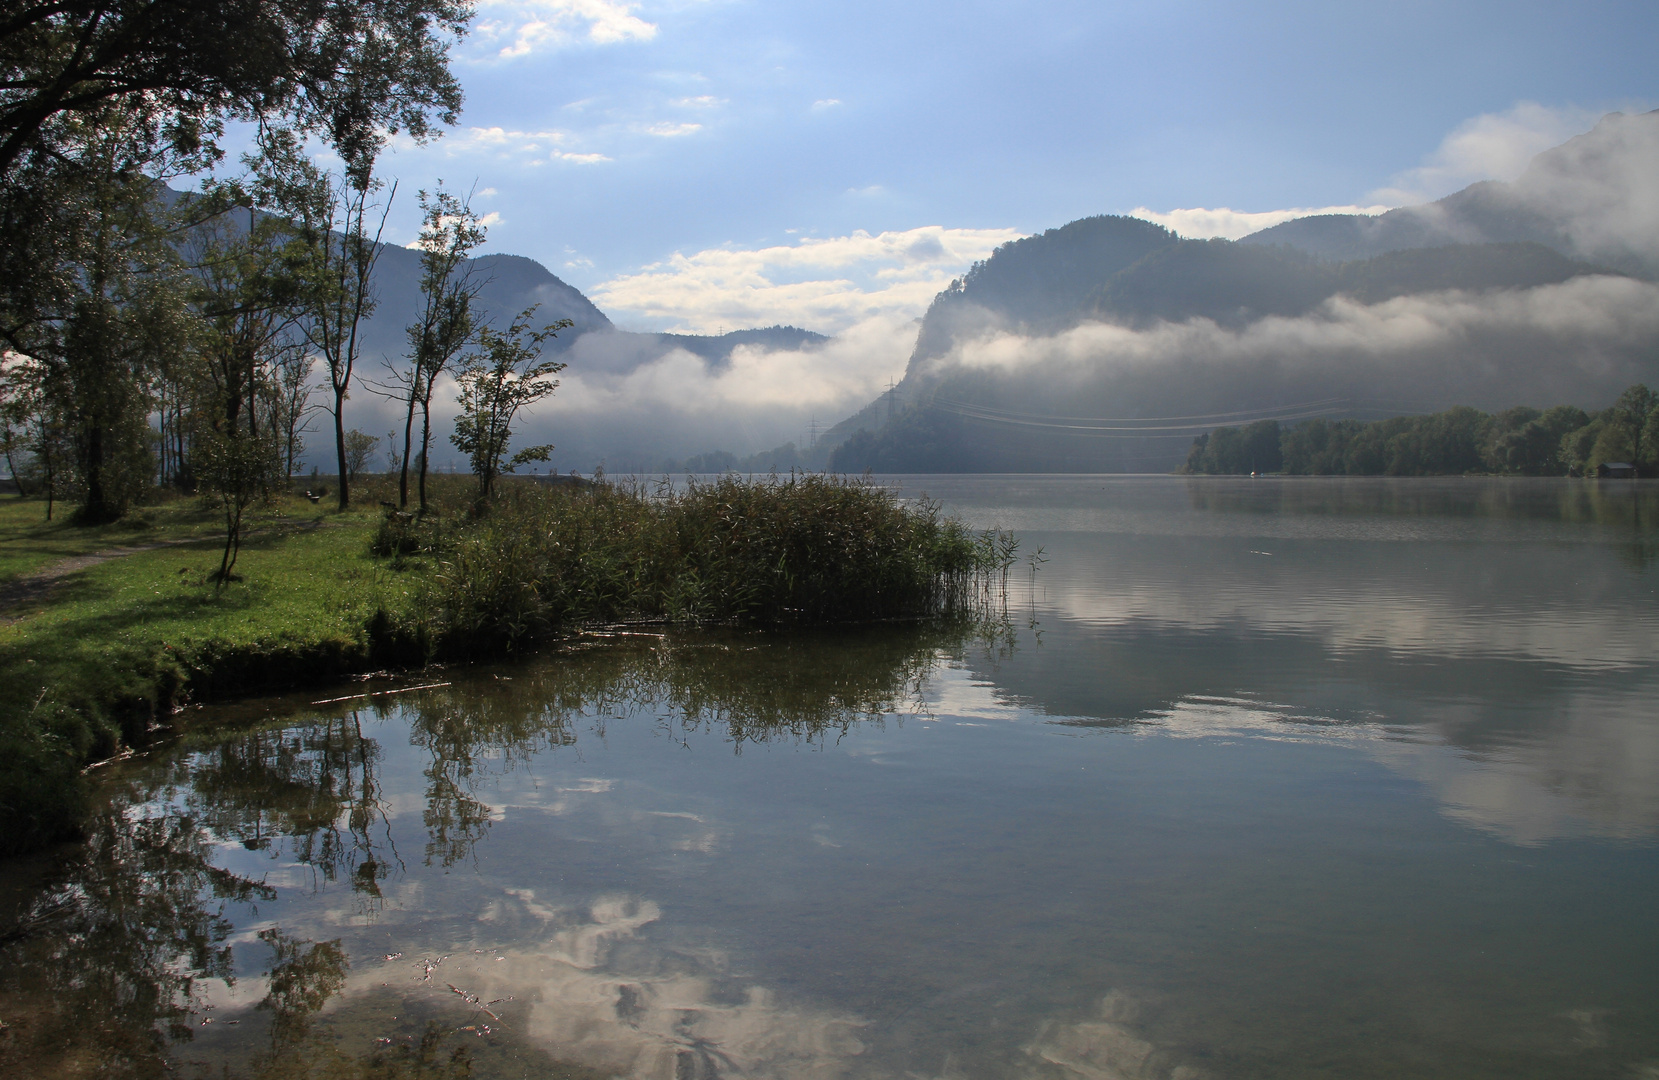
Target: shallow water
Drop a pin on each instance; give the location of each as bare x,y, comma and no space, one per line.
1274,778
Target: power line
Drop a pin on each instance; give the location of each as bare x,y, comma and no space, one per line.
1324,402
1135,427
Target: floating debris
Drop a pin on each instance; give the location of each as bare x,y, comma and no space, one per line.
380,693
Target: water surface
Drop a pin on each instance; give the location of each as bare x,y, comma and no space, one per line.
1275,778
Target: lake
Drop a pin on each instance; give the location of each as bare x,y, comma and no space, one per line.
1256,778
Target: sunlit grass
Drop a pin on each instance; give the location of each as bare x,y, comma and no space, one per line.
29,543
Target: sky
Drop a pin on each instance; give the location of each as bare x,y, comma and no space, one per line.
707,164
710,165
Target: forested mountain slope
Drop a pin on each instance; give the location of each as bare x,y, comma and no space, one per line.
1095,346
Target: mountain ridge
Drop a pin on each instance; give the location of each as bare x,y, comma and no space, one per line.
1535,288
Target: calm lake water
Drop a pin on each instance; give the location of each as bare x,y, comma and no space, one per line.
1272,778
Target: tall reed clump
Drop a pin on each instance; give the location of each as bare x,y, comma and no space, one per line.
782,550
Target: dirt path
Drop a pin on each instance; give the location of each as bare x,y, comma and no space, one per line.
26,592
20,596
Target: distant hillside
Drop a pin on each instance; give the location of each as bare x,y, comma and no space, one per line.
511,283
718,349
1235,285
1592,197
1107,343
1040,283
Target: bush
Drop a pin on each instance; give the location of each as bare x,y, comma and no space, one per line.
806,549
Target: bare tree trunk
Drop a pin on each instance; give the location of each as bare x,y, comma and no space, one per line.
340,442
403,475
426,445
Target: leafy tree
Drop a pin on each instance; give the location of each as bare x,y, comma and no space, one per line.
360,447
1533,447
34,425
291,393
349,70
505,375
167,74
1635,408
1253,448
332,216
1578,446
238,467
157,79
249,292
116,314
450,230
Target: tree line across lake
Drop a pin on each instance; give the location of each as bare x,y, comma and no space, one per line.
1522,441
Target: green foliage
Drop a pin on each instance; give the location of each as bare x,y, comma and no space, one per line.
360,448
353,72
1251,449
450,230
503,376
802,549
922,440
1561,441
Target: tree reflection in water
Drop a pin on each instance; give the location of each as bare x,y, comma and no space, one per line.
311,787
102,965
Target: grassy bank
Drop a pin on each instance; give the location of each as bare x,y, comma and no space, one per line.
110,652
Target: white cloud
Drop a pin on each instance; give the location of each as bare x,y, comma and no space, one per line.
702,101
674,403
826,103
823,284
844,372
1601,189
1200,223
1585,308
503,144
669,130
516,28
1492,146
1581,341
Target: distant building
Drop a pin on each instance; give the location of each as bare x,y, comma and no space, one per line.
1616,470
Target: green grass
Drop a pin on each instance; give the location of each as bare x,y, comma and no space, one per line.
114,648
29,543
